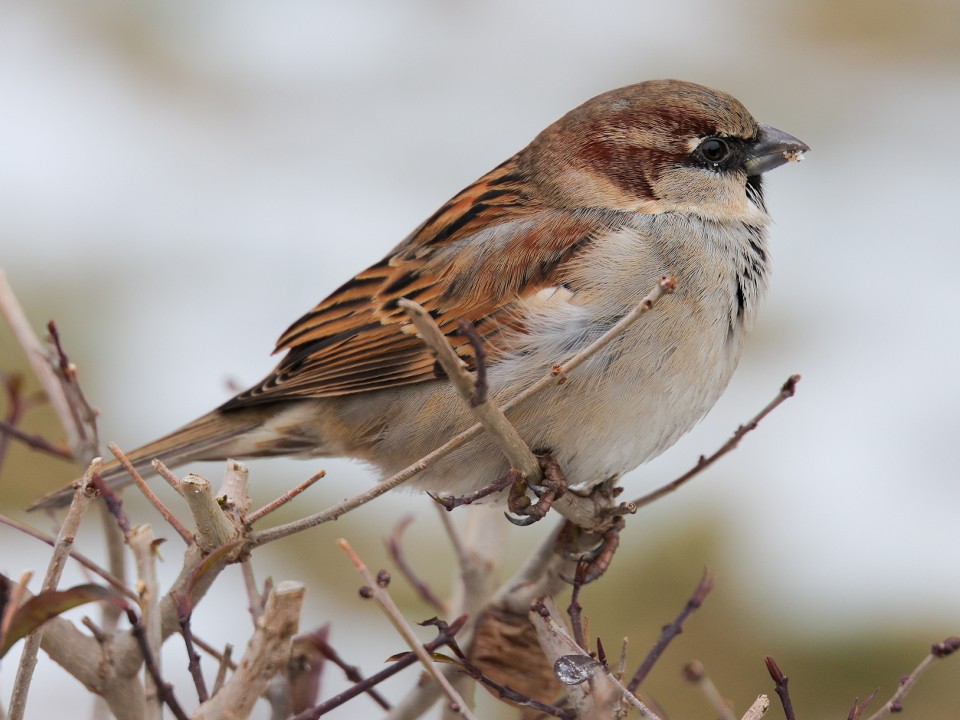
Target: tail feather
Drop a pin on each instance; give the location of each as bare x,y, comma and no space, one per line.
210,437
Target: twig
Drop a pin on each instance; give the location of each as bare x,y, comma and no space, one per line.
114,504
36,442
185,608
76,555
494,421
695,673
445,637
142,543
82,497
758,709
254,598
575,609
283,499
780,682
786,391
165,472
226,663
43,369
395,549
83,414
352,672
856,711
665,286
266,653
379,592
480,388
181,529
164,689
938,651
671,631
214,528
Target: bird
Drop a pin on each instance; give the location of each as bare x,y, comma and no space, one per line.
541,256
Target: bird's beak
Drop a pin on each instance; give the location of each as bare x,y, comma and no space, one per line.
772,149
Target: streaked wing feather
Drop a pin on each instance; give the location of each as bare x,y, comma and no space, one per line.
487,248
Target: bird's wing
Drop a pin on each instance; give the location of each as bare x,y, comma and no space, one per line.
488,248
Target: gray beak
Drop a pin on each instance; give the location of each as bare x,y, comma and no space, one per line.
772,149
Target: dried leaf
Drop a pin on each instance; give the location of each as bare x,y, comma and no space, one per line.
51,603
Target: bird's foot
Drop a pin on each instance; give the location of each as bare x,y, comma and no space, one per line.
551,486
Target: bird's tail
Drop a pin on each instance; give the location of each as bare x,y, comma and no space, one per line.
214,436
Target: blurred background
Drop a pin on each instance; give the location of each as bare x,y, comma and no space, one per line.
180,181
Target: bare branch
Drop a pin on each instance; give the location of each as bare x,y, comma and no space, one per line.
82,497
672,630
780,682
284,499
266,653
379,593
395,548
78,437
494,421
758,709
938,651
786,391
695,673
181,529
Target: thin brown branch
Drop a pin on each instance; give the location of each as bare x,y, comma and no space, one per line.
193,658
786,391
780,683
8,430
181,529
352,672
395,548
695,673
445,637
575,609
480,388
938,651
166,473
89,564
82,497
494,421
379,592
670,631
52,384
164,689
284,499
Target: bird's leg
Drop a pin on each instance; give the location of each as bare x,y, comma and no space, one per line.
552,486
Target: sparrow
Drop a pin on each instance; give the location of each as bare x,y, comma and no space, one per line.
541,255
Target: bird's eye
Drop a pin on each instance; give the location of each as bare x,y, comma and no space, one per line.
714,150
